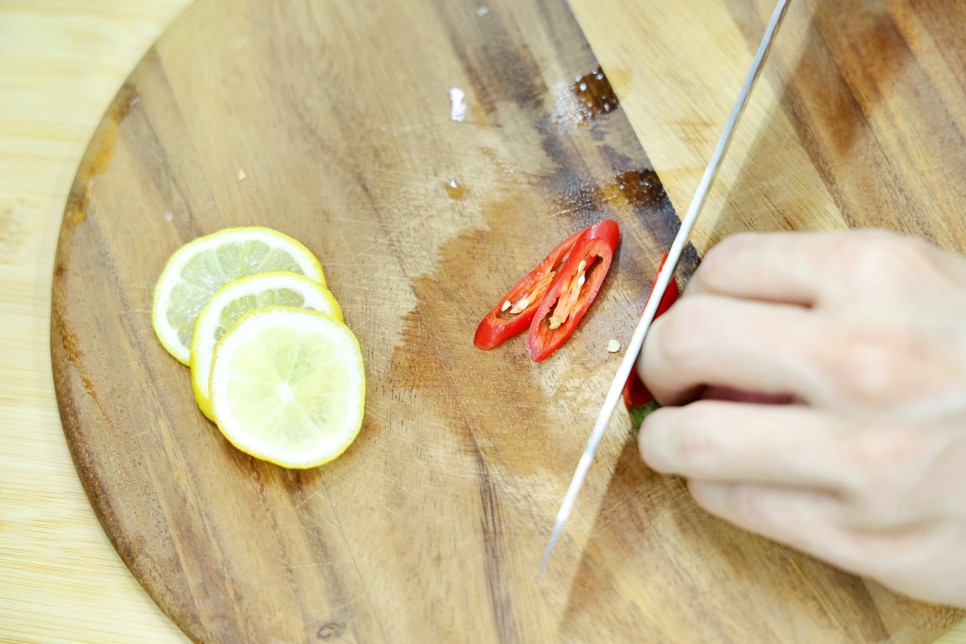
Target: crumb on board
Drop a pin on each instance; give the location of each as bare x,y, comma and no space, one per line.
457,110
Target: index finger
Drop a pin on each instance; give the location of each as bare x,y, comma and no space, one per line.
754,346
789,268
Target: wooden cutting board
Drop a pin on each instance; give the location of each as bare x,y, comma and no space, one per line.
333,122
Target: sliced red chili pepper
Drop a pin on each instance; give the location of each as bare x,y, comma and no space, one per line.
637,398
635,392
573,289
508,318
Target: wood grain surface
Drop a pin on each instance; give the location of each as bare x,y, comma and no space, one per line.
858,121
61,62
677,126
430,528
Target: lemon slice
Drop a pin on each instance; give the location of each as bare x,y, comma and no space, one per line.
242,296
288,386
199,268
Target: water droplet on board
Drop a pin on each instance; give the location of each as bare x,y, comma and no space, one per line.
455,189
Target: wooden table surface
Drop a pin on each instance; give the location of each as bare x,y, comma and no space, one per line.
61,61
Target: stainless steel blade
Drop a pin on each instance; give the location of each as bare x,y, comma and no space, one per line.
663,279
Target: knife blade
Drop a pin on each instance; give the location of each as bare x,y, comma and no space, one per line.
662,281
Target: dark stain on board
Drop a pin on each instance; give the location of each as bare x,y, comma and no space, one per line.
594,95
585,100
635,195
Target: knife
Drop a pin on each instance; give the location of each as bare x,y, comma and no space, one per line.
662,281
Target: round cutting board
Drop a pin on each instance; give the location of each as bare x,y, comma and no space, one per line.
429,152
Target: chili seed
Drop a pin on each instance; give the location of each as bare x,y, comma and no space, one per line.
505,306
613,346
554,323
582,265
521,304
581,280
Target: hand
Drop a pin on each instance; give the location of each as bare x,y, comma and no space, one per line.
863,335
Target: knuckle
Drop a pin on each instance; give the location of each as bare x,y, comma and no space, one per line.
870,363
681,441
868,372
681,327
698,447
870,258
885,261
721,253
716,265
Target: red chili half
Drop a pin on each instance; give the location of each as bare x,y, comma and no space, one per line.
512,315
637,399
573,289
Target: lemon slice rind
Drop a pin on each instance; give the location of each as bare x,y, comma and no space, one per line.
239,297
218,269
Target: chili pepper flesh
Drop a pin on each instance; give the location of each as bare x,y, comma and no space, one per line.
515,311
573,290
553,297
637,398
